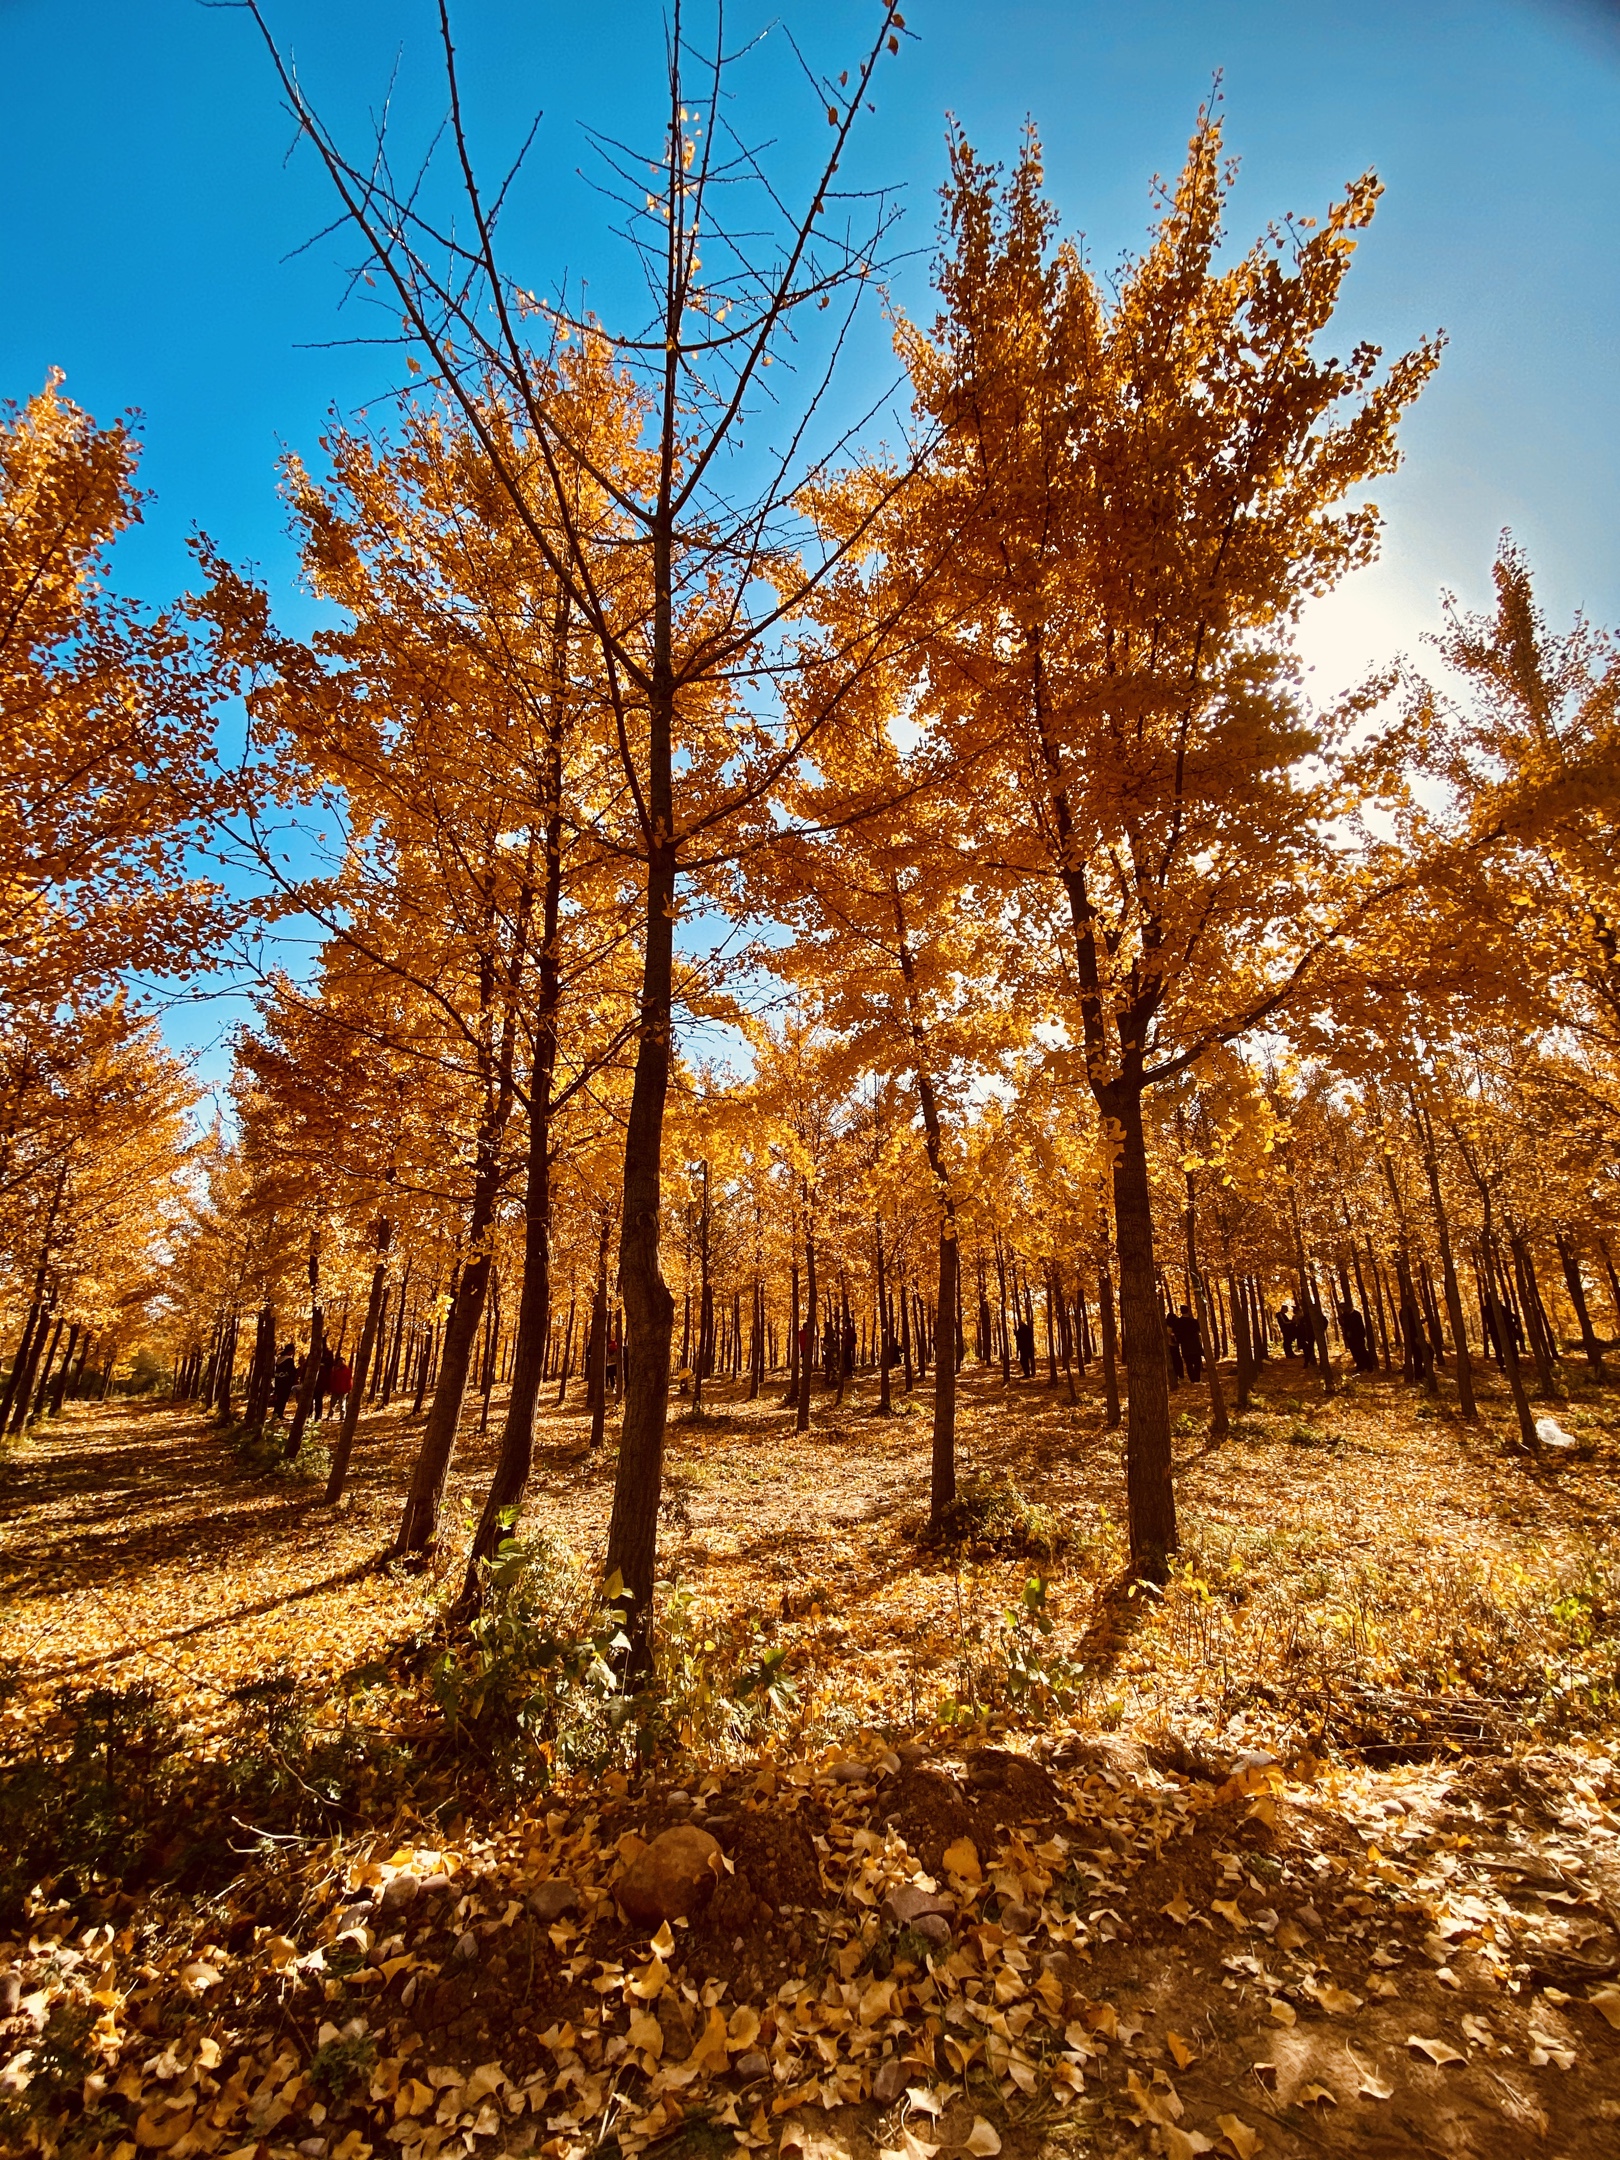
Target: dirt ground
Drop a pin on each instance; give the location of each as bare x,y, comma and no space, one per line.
1323,1856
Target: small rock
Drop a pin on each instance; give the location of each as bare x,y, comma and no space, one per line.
1016,1918
933,1927
466,1947
313,2146
352,1916
435,1885
680,1799
890,2082
906,1905
848,1773
671,1878
676,2027
888,1763
552,1898
1252,1759
753,2066
400,1891
1309,1918
1062,1965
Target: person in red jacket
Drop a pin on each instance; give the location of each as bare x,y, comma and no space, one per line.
339,1380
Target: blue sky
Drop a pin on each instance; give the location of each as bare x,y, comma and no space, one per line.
152,211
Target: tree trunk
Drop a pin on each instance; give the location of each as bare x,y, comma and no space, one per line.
62,1371
1242,1341
1535,1330
262,1377
1150,1493
371,1382
885,1396
1570,1260
1219,1425
703,1362
1451,1289
76,1385
368,1337
1501,1325
1110,1345
790,1400
807,1356
649,1310
307,1384
419,1522
32,1399
601,1322
23,1361
1309,1304
1614,1279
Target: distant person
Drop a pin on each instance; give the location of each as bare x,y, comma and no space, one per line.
1024,1338
323,1374
339,1380
1172,1344
1288,1329
282,1381
1354,1329
1192,1343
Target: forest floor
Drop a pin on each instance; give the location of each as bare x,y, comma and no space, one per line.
1318,1850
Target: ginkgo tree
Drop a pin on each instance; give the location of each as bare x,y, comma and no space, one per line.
109,776
1142,485
717,553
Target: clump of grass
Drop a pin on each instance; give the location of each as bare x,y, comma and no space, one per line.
342,2063
996,1514
262,1452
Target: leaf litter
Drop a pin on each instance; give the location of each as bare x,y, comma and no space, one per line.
1180,1916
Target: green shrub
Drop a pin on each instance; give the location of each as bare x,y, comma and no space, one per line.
1011,1665
535,1682
532,1684
713,1684
81,1797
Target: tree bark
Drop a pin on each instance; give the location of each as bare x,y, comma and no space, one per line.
22,1362
601,1321
1219,1424
31,1399
1450,1288
368,1336
1570,1260
307,1384
1150,1493
1110,1345
1524,1276
649,1310
807,1356
419,1524
885,1396
942,1459
262,1377
63,1370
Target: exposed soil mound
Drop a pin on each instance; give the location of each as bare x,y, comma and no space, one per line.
990,1792
774,1856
